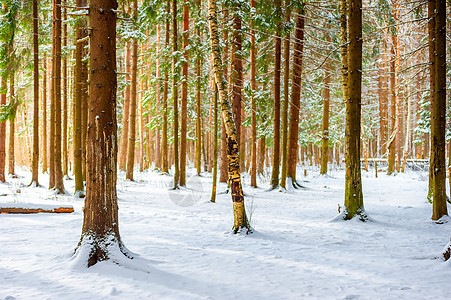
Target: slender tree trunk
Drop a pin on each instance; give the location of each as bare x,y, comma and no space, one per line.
4,88
253,106
184,98
237,74
326,113
407,140
133,103
175,71
438,144
44,117
100,234
126,112
198,109
215,146
224,161
286,46
293,128
12,96
35,161
276,122
165,152
353,182
78,103
142,155
65,82
240,219
431,43
158,96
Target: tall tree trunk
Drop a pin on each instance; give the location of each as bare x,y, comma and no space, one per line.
438,144
253,105
142,155
12,100
4,88
80,78
394,123
158,96
240,219
183,125
65,82
431,43
198,106
100,234
276,122
353,182
224,161
326,104
44,117
286,46
175,95
215,146
293,128
133,103
236,76
126,112
35,161
407,140
165,151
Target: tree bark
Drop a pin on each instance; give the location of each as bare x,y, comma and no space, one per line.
35,160
215,146
175,71
276,119
438,114
184,98
133,103
223,164
293,128
4,88
64,109
431,50
326,113
100,233
240,219
126,112
80,77
12,96
353,182
44,117
253,105
158,98
165,151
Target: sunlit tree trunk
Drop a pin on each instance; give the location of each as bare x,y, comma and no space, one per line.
100,239
12,96
326,104
276,119
215,146
353,181
240,219
293,127
184,98
431,48
224,161
55,142
175,95
165,152
253,106
438,114
65,90
158,98
44,116
80,78
35,160
126,111
133,103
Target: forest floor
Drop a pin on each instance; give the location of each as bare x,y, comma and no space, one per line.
184,249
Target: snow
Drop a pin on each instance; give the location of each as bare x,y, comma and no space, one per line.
183,248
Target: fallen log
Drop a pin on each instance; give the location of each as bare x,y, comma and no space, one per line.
10,209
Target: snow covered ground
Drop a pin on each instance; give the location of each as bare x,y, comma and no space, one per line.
183,248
